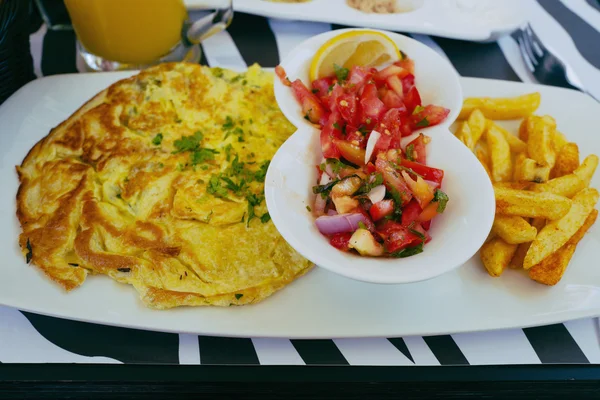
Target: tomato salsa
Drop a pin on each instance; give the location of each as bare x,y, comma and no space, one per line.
375,193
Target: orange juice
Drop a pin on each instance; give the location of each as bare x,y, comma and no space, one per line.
128,31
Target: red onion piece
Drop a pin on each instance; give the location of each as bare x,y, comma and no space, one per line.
332,212
330,224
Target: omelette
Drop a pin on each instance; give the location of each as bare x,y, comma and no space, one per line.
158,182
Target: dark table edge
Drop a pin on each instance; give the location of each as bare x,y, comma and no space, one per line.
288,374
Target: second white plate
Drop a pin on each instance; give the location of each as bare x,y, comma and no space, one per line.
321,304
476,20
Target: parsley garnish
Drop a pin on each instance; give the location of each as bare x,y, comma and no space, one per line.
362,225
188,143
157,139
376,178
409,251
238,296
324,189
237,188
266,217
228,123
395,195
442,199
410,152
308,209
330,88
337,126
417,233
253,201
340,72
202,155
259,176
363,130
315,91
29,254
217,72
418,109
214,187
228,149
422,123
336,165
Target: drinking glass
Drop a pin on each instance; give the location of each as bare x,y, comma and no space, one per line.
135,34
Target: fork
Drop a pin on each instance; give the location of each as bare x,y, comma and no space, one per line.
545,66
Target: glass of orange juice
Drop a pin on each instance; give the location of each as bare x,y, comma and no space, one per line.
134,34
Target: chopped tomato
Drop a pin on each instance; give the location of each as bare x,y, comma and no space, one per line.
336,92
391,100
358,77
426,225
395,84
347,106
420,189
371,106
429,116
408,82
321,87
412,99
410,213
311,106
428,212
341,240
370,168
383,143
280,72
401,239
354,136
393,180
381,209
428,173
418,151
350,152
327,147
391,124
369,224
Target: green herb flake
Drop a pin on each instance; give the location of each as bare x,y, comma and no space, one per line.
315,91
337,126
266,217
308,209
442,199
188,143
259,176
73,264
238,296
228,123
157,139
253,201
417,233
29,254
119,196
330,88
214,187
409,251
228,149
422,123
340,72
336,165
418,109
217,72
202,155
363,130
410,152
362,225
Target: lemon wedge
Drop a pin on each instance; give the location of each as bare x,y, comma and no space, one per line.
364,48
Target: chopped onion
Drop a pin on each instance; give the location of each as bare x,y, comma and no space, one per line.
376,194
433,184
320,202
325,179
407,139
330,224
373,138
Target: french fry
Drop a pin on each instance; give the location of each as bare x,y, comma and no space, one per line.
559,140
477,124
529,170
567,160
518,185
556,233
513,229
516,144
517,260
463,133
529,204
551,269
539,143
501,161
587,168
566,185
525,127
483,157
496,254
502,108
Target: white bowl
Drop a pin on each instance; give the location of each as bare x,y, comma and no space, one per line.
457,234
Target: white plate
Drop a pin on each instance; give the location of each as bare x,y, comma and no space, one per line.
321,304
477,20
292,174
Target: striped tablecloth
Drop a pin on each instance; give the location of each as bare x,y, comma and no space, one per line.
30,338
